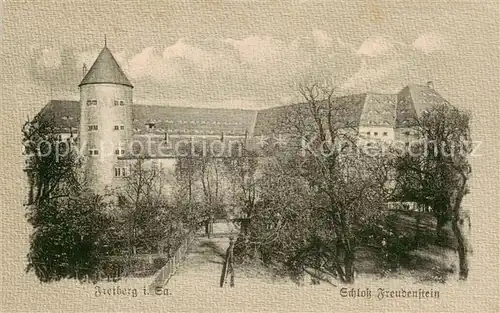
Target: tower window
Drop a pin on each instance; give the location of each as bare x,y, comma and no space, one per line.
368,133
119,151
122,127
119,102
375,134
93,152
150,125
384,134
92,128
92,102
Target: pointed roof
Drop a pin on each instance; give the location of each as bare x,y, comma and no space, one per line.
105,70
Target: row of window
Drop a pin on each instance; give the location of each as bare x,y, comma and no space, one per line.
96,151
95,127
376,133
115,103
121,172
190,122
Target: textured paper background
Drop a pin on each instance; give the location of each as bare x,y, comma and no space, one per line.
474,86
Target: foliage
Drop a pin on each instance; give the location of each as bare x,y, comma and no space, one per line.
437,171
67,219
52,162
67,241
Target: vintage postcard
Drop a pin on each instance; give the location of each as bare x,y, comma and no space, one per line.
250,156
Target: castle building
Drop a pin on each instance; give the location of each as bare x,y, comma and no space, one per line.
113,131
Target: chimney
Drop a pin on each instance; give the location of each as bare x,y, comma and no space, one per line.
84,69
430,84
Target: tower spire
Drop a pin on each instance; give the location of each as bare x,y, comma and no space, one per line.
105,41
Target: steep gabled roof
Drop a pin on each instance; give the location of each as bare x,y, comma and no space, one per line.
412,101
379,110
424,97
105,70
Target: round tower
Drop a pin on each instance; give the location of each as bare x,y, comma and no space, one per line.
105,121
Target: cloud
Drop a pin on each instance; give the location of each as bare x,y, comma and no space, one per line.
263,51
376,46
182,50
430,42
264,70
371,74
381,57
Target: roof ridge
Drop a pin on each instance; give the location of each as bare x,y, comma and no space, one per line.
191,107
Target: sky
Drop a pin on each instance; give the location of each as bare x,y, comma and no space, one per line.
249,54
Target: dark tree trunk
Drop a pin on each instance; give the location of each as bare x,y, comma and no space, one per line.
349,267
207,228
440,223
462,250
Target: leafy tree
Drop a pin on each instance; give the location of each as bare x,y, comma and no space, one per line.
67,219
52,163
68,237
437,171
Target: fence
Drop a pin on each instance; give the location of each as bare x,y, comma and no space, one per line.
168,270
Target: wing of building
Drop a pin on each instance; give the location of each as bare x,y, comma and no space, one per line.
107,118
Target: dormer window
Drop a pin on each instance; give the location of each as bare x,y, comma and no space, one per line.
368,133
92,102
384,134
150,125
375,134
119,102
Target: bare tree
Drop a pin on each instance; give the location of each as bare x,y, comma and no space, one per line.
325,189
200,174
144,206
